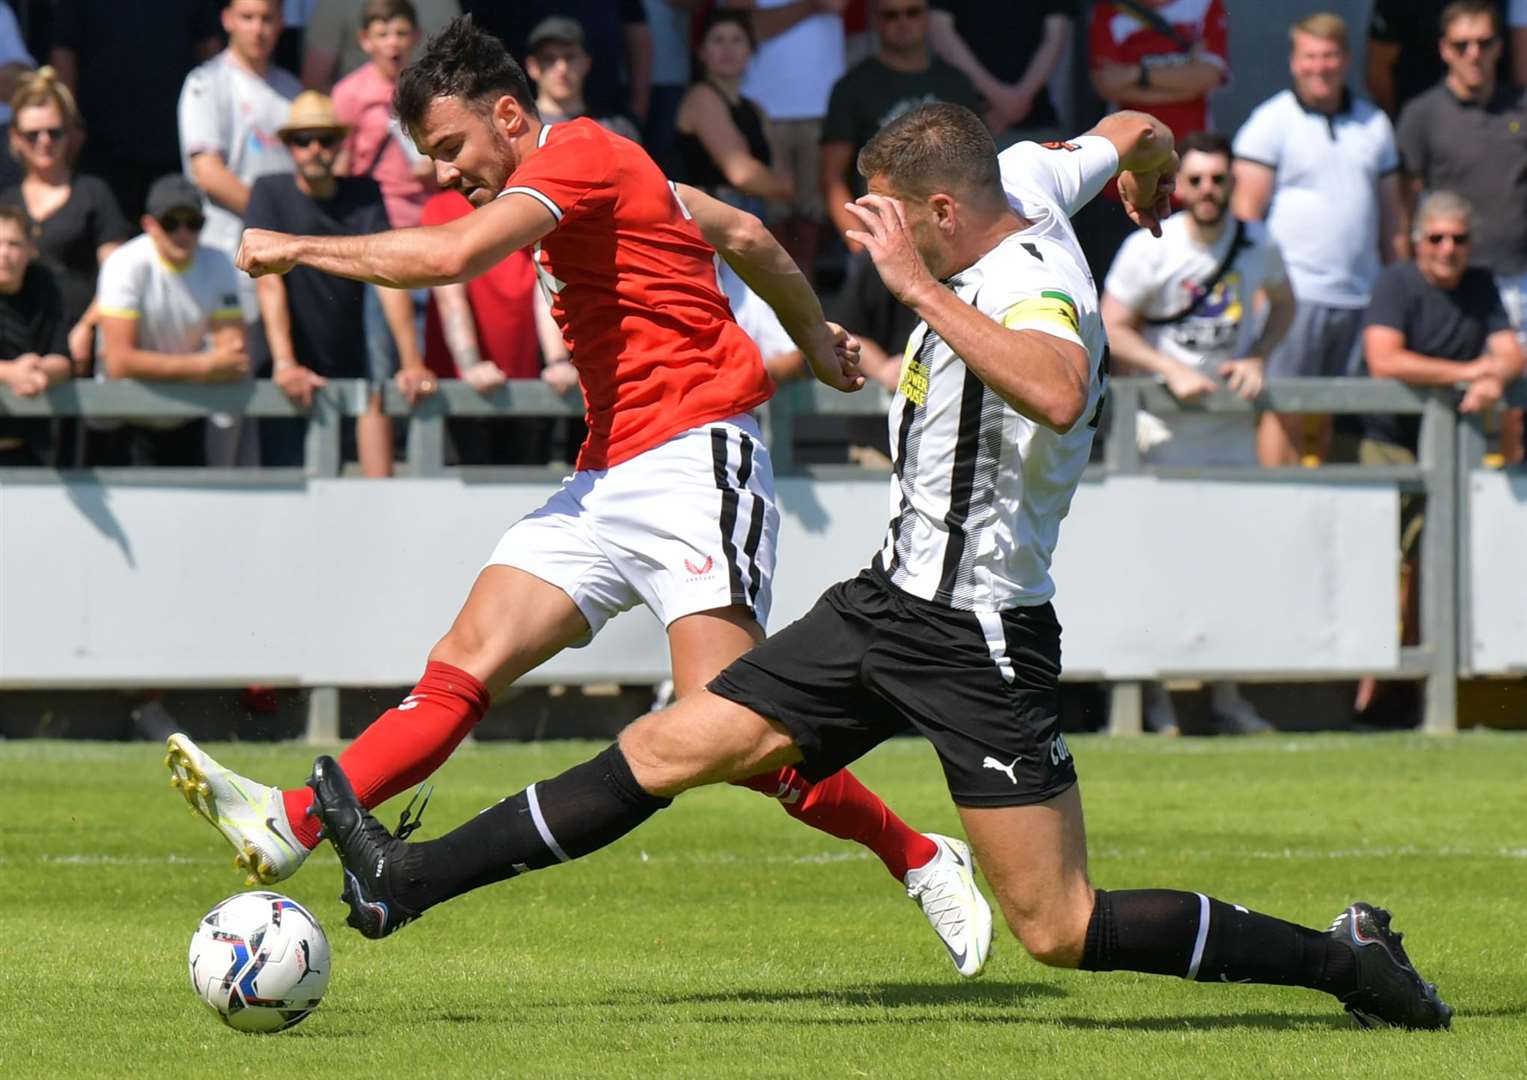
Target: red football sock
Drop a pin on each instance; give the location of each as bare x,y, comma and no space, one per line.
403,745
845,808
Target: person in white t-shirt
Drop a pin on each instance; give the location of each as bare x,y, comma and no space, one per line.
169,311
1185,308
231,108
800,55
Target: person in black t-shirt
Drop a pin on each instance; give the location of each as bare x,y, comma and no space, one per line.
1437,321
314,323
126,63
32,337
76,220
1009,52
721,138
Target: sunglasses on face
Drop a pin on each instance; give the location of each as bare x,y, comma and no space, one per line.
1458,239
1211,180
1462,45
896,14
182,219
303,139
54,134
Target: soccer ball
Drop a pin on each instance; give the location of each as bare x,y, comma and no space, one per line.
260,960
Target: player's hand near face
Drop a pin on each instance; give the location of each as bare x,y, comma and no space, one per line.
262,251
889,242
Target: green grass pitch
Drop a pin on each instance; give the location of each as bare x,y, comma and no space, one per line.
724,940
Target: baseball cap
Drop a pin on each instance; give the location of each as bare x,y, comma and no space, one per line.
555,28
172,192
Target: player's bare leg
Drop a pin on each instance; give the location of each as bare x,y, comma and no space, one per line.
511,622
1036,859
936,870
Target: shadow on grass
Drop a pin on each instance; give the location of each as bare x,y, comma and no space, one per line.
885,995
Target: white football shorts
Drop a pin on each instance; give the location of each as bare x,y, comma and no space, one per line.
687,526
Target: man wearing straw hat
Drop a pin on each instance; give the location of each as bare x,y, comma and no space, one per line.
315,325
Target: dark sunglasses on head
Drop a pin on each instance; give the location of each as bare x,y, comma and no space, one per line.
1461,45
54,134
1458,238
326,139
182,219
893,14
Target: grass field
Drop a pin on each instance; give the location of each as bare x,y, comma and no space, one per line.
722,939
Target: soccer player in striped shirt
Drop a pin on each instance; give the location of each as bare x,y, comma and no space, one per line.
950,631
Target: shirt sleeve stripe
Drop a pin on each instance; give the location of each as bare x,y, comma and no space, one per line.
544,200
119,313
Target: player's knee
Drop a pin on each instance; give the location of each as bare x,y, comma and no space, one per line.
1056,938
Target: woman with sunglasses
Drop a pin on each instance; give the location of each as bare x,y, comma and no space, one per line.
77,222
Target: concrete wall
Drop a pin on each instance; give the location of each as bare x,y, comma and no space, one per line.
348,582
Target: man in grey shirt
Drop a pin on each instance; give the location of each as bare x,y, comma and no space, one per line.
1468,134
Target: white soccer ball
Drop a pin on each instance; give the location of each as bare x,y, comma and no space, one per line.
260,960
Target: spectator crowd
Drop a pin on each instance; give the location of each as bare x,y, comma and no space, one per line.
1344,229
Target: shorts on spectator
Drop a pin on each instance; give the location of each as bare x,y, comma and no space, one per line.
799,145
1412,507
1323,341
688,526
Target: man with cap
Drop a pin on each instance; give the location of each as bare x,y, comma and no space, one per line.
314,324
557,59
169,309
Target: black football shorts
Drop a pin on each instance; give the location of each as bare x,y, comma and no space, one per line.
870,661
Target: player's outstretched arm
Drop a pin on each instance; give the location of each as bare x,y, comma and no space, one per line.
406,258
1147,165
767,269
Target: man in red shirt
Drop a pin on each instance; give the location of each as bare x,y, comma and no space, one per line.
671,505
486,331
1164,57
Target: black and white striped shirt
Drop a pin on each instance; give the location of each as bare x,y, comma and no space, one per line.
979,491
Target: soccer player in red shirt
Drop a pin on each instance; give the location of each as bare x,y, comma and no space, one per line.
671,505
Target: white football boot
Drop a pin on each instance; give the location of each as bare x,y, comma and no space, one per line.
946,890
251,816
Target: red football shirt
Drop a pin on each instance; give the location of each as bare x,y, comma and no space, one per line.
1119,36
503,307
633,287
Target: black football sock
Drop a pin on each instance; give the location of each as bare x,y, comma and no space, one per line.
1193,936
556,820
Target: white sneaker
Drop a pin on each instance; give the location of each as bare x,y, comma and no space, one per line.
946,890
251,816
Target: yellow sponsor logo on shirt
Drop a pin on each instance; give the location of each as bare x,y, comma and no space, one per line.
1051,306
914,379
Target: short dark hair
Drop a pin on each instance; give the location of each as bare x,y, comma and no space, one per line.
384,11
934,148
464,62
16,213
1205,142
720,16
1465,9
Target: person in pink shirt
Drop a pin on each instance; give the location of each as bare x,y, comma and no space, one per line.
376,146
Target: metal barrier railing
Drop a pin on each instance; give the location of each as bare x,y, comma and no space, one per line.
1450,448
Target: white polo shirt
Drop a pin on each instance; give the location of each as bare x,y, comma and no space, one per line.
1325,206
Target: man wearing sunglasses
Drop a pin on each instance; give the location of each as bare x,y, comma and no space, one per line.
169,309
1183,308
1468,134
315,327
